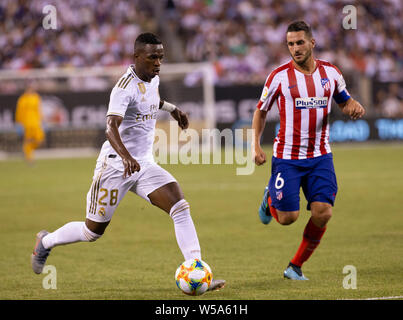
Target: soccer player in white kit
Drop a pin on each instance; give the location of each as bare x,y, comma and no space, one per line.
125,162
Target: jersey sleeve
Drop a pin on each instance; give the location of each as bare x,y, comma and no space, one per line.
340,93
270,92
119,100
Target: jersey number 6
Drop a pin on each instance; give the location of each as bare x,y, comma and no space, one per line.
279,183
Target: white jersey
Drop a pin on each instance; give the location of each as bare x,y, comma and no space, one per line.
137,102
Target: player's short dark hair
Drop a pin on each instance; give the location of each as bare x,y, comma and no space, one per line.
146,38
300,26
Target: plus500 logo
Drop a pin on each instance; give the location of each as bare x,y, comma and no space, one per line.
312,102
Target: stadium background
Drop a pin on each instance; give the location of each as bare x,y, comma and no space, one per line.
242,40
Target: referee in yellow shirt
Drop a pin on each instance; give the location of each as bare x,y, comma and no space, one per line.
28,115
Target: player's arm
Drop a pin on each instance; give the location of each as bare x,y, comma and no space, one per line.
177,114
118,103
112,134
269,93
352,108
258,124
347,104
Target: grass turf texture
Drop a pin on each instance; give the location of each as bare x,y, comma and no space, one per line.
138,255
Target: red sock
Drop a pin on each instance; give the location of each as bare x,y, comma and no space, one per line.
273,211
310,240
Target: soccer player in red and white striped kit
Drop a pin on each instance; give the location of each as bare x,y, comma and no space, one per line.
303,89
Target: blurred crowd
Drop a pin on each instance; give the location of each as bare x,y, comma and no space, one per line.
244,40
88,33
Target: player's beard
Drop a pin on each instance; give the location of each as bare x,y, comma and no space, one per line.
306,58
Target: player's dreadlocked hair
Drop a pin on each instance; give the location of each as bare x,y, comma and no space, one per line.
300,26
146,38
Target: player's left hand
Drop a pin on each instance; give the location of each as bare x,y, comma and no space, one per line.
354,109
181,117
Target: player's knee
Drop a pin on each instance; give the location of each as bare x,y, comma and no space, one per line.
90,235
322,212
287,217
326,215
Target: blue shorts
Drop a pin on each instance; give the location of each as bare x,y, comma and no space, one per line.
316,176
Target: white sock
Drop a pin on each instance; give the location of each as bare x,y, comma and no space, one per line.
185,231
70,233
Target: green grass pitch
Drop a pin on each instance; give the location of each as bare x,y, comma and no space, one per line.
138,255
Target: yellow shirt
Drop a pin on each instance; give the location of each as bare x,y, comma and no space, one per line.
28,111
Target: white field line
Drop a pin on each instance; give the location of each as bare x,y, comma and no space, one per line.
385,298
379,298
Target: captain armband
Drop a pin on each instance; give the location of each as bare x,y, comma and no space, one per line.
169,107
341,97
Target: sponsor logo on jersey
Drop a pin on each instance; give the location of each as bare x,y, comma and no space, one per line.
311,102
144,117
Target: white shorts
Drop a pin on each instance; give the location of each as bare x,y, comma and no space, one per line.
109,187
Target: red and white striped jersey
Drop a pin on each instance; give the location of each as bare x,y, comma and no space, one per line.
304,103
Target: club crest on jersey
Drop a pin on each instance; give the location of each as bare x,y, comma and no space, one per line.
325,83
142,87
101,212
311,102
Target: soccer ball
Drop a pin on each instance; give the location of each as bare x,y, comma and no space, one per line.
193,277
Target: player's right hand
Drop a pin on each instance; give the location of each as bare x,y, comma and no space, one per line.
259,156
181,117
131,166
